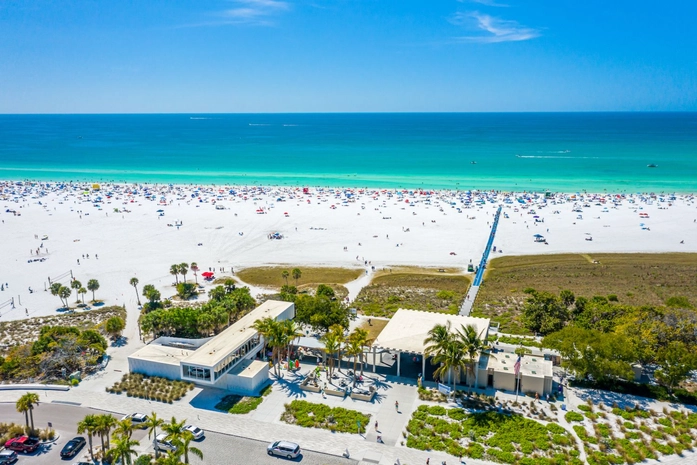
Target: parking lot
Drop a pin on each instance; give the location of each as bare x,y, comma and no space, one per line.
217,448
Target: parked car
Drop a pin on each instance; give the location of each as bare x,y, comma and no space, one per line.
289,450
161,443
138,419
8,457
195,430
73,447
23,444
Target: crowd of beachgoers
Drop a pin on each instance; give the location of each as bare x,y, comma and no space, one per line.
114,231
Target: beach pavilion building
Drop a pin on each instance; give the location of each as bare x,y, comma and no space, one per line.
227,361
407,329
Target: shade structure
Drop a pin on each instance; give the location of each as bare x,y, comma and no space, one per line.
207,274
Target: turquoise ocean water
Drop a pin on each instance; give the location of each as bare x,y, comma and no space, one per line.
510,151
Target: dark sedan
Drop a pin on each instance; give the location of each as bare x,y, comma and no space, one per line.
73,447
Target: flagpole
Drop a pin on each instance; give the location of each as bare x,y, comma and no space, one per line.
517,385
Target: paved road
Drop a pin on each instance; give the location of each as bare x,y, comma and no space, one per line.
217,448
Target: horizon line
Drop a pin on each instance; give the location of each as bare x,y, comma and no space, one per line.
348,112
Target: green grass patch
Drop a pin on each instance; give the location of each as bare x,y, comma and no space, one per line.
310,415
493,436
428,291
272,276
637,279
240,405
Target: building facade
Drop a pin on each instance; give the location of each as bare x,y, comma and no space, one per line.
225,361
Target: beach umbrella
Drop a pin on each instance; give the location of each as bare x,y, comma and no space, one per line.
538,235
207,274
160,211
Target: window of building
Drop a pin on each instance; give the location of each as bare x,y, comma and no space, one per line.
198,373
232,359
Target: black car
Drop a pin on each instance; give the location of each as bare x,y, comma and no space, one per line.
73,447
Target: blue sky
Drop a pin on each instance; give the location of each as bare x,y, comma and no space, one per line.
102,56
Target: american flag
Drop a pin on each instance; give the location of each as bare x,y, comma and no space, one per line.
516,367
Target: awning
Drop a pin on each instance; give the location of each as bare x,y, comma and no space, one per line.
308,342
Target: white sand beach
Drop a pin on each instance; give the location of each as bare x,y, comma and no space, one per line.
229,227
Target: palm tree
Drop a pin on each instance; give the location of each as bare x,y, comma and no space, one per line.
184,447
93,285
438,338
446,351
64,293
134,282
124,428
105,423
331,346
75,284
473,346
25,405
361,337
55,290
291,331
296,275
152,424
31,399
82,291
183,269
285,275
338,331
174,429
174,270
194,268
354,349
267,328
88,425
452,361
22,407
123,450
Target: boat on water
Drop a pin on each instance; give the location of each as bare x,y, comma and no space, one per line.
473,163
652,165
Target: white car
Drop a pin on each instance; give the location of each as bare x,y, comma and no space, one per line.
195,430
289,450
161,443
138,419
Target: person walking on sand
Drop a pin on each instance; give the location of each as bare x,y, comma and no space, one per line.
396,405
376,425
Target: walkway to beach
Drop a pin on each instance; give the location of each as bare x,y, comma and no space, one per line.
479,276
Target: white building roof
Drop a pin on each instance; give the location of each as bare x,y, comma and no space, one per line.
530,366
222,345
249,368
161,354
407,329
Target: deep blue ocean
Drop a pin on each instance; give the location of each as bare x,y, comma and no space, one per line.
510,151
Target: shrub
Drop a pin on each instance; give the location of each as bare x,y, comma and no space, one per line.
312,415
436,410
573,416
